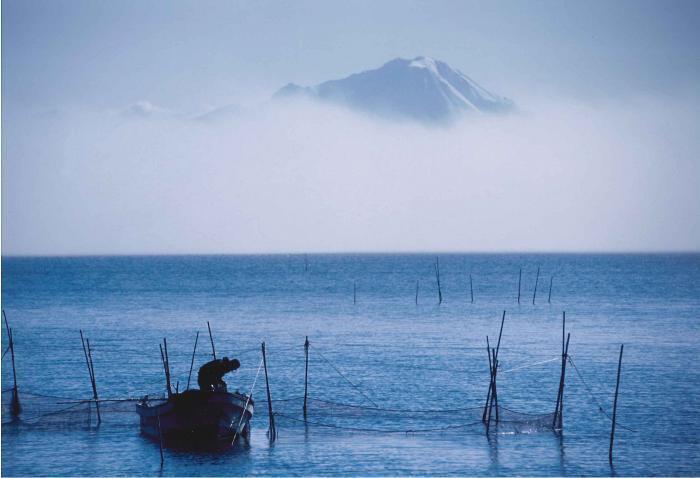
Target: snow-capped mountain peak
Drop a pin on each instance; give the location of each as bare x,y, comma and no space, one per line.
421,88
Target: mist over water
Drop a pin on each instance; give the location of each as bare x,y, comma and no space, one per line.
307,177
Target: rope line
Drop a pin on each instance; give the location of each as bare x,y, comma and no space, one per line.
347,379
530,365
245,408
380,430
396,410
592,395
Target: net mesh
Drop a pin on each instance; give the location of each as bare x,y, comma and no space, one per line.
48,411
60,412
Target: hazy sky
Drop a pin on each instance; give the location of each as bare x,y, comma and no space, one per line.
603,156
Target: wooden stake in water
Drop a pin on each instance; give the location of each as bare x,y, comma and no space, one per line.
160,442
91,371
211,339
167,365
488,394
354,292
486,417
537,279
192,362
614,417
437,277
273,432
306,372
558,421
520,277
165,370
16,408
549,298
417,284
471,287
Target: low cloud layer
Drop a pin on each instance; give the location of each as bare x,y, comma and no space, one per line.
302,177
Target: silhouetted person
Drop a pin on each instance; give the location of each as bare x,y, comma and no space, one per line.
210,376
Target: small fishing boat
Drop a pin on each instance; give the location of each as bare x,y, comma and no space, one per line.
197,418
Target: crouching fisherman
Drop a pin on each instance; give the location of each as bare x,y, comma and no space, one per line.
211,374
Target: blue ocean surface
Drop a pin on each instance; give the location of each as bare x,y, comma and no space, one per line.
415,371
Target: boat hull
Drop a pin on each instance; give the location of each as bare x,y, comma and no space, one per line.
197,419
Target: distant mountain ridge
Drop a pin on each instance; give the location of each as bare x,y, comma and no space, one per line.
422,89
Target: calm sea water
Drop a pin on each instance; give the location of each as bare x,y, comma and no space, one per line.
401,355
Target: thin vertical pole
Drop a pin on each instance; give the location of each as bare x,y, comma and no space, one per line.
211,339
273,432
306,372
563,330
561,376
437,277
488,394
471,287
165,369
549,298
494,395
617,389
192,362
160,442
520,278
559,408
16,407
500,333
94,382
167,365
486,417
537,279
354,292
417,285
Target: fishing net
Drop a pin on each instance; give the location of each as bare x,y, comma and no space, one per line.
333,415
44,411
39,410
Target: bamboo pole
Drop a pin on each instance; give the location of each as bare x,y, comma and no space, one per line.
488,394
211,339
16,408
437,277
272,431
537,279
520,278
486,417
94,382
614,417
471,287
549,297
160,442
559,408
306,372
494,395
192,362
165,369
500,333
167,365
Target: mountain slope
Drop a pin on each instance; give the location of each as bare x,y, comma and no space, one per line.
421,89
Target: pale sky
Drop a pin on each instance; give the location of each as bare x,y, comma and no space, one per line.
603,156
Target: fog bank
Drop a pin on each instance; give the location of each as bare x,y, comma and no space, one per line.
560,176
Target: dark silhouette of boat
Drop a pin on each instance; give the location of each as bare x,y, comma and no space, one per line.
196,418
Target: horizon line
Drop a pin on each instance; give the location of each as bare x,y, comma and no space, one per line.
351,253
